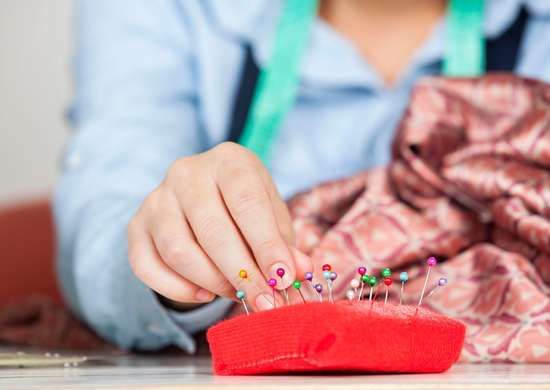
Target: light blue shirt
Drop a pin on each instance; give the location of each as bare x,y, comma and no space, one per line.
155,81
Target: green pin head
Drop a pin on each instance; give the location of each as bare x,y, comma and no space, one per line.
297,284
372,281
365,278
386,272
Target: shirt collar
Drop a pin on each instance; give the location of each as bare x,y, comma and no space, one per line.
255,23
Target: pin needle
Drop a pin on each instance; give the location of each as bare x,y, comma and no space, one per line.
403,277
432,262
281,273
240,294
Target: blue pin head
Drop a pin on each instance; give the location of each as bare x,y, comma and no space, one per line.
240,294
403,277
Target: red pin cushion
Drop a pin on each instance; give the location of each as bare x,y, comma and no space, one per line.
342,336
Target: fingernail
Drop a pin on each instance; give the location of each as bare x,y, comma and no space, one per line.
285,280
204,295
264,302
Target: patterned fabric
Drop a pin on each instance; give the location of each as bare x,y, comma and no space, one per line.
470,184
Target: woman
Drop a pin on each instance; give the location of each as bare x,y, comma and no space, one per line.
149,185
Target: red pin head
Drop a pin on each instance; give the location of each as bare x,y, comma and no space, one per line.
327,267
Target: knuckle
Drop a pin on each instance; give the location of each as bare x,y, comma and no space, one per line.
230,153
180,170
247,201
150,205
210,231
175,252
225,148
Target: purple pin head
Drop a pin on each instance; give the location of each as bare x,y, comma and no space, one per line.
432,261
362,270
319,288
442,282
309,276
272,282
333,276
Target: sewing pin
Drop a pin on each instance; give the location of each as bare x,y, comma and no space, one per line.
243,274
372,282
326,276
350,294
354,284
432,262
309,277
272,283
403,277
362,271
281,273
364,280
240,294
333,276
319,289
387,282
386,274
297,284
442,282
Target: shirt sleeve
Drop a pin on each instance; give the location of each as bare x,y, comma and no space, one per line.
134,113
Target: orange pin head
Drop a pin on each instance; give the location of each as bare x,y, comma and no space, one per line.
243,274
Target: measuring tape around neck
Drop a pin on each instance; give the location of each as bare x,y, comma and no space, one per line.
277,84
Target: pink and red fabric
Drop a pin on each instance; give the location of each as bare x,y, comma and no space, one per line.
469,183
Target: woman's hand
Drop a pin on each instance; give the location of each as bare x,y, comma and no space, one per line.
215,214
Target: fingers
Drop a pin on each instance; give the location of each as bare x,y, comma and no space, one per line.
280,209
247,199
149,268
179,250
222,242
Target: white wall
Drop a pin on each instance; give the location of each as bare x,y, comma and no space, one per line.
35,46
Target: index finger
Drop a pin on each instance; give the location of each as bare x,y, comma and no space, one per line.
249,204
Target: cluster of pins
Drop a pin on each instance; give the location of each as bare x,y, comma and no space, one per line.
386,278
357,286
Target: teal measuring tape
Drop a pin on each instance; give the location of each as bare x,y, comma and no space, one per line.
278,81
465,49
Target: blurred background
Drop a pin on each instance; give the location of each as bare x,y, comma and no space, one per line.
35,88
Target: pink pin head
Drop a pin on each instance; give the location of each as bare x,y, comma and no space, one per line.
280,272
362,270
432,261
272,282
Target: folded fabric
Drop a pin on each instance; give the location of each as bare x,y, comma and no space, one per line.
344,336
469,182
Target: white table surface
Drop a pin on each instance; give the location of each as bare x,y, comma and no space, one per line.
177,372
